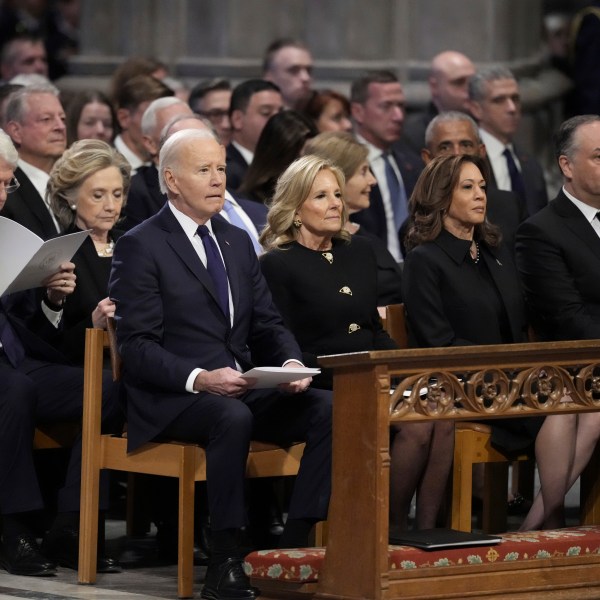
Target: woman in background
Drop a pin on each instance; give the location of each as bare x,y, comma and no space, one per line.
90,115
343,150
87,189
329,111
280,143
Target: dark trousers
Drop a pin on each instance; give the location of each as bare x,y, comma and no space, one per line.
41,392
225,426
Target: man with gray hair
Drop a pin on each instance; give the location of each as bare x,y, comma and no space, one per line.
145,198
35,121
495,102
184,353
456,133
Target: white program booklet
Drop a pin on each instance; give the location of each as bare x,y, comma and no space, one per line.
26,260
270,377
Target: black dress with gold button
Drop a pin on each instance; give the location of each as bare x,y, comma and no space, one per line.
327,299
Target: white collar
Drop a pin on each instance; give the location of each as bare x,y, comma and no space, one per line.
589,212
247,155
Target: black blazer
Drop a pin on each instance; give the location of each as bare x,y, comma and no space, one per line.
144,198
448,303
536,196
373,218
92,286
558,257
507,211
415,125
236,167
27,207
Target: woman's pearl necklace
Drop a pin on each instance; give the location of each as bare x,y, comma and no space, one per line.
476,257
107,251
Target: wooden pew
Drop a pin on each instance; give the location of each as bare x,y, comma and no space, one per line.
461,383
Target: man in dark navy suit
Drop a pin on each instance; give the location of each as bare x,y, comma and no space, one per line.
193,310
377,104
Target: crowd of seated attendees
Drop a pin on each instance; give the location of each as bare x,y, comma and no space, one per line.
347,206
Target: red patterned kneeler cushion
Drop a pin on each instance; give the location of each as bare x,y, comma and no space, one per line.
302,565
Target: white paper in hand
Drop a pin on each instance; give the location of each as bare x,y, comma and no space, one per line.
270,377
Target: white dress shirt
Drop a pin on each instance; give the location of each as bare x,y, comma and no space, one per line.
246,154
133,159
589,212
494,149
377,164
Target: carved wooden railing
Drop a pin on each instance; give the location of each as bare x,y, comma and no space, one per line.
459,383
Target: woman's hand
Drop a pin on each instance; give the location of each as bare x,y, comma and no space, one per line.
105,308
61,284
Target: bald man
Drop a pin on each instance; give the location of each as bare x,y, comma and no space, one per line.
449,88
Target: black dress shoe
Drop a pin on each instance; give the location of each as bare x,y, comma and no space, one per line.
62,546
22,557
227,581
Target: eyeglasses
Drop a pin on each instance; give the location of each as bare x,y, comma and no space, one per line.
215,115
11,186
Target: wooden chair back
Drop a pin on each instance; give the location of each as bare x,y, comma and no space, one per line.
186,462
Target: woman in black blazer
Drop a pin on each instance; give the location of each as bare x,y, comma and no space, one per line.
460,285
87,189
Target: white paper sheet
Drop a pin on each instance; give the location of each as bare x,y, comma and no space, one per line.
26,260
270,377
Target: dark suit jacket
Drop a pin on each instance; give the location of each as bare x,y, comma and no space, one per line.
27,207
92,286
236,167
448,303
169,321
415,125
144,198
558,256
507,211
533,180
373,218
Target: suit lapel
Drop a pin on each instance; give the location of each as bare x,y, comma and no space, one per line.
577,223
36,204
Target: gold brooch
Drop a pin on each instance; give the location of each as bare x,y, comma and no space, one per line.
346,290
353,327
328,257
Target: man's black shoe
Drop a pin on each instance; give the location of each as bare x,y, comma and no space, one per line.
22,557
227,581
62,546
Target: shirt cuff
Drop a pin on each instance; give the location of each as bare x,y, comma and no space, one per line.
189,384
292,360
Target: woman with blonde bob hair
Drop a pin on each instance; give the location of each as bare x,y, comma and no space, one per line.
347,153
322,279
87,190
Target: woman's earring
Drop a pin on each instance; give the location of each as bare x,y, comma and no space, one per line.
73,206
297,222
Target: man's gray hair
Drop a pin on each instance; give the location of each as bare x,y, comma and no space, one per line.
166,130
8,152
15,107
170,152
150,116
477,83
451,116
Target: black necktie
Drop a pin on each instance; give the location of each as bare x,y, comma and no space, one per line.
516,179
215,268
10,342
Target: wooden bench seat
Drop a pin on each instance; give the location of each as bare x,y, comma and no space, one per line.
459,383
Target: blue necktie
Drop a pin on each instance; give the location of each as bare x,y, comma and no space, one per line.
215,268
236,220
10,342
397,193
516,179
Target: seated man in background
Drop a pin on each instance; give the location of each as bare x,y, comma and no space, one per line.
183,353
211,100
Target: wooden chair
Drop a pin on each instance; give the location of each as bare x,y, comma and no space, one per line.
472,446
187,462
